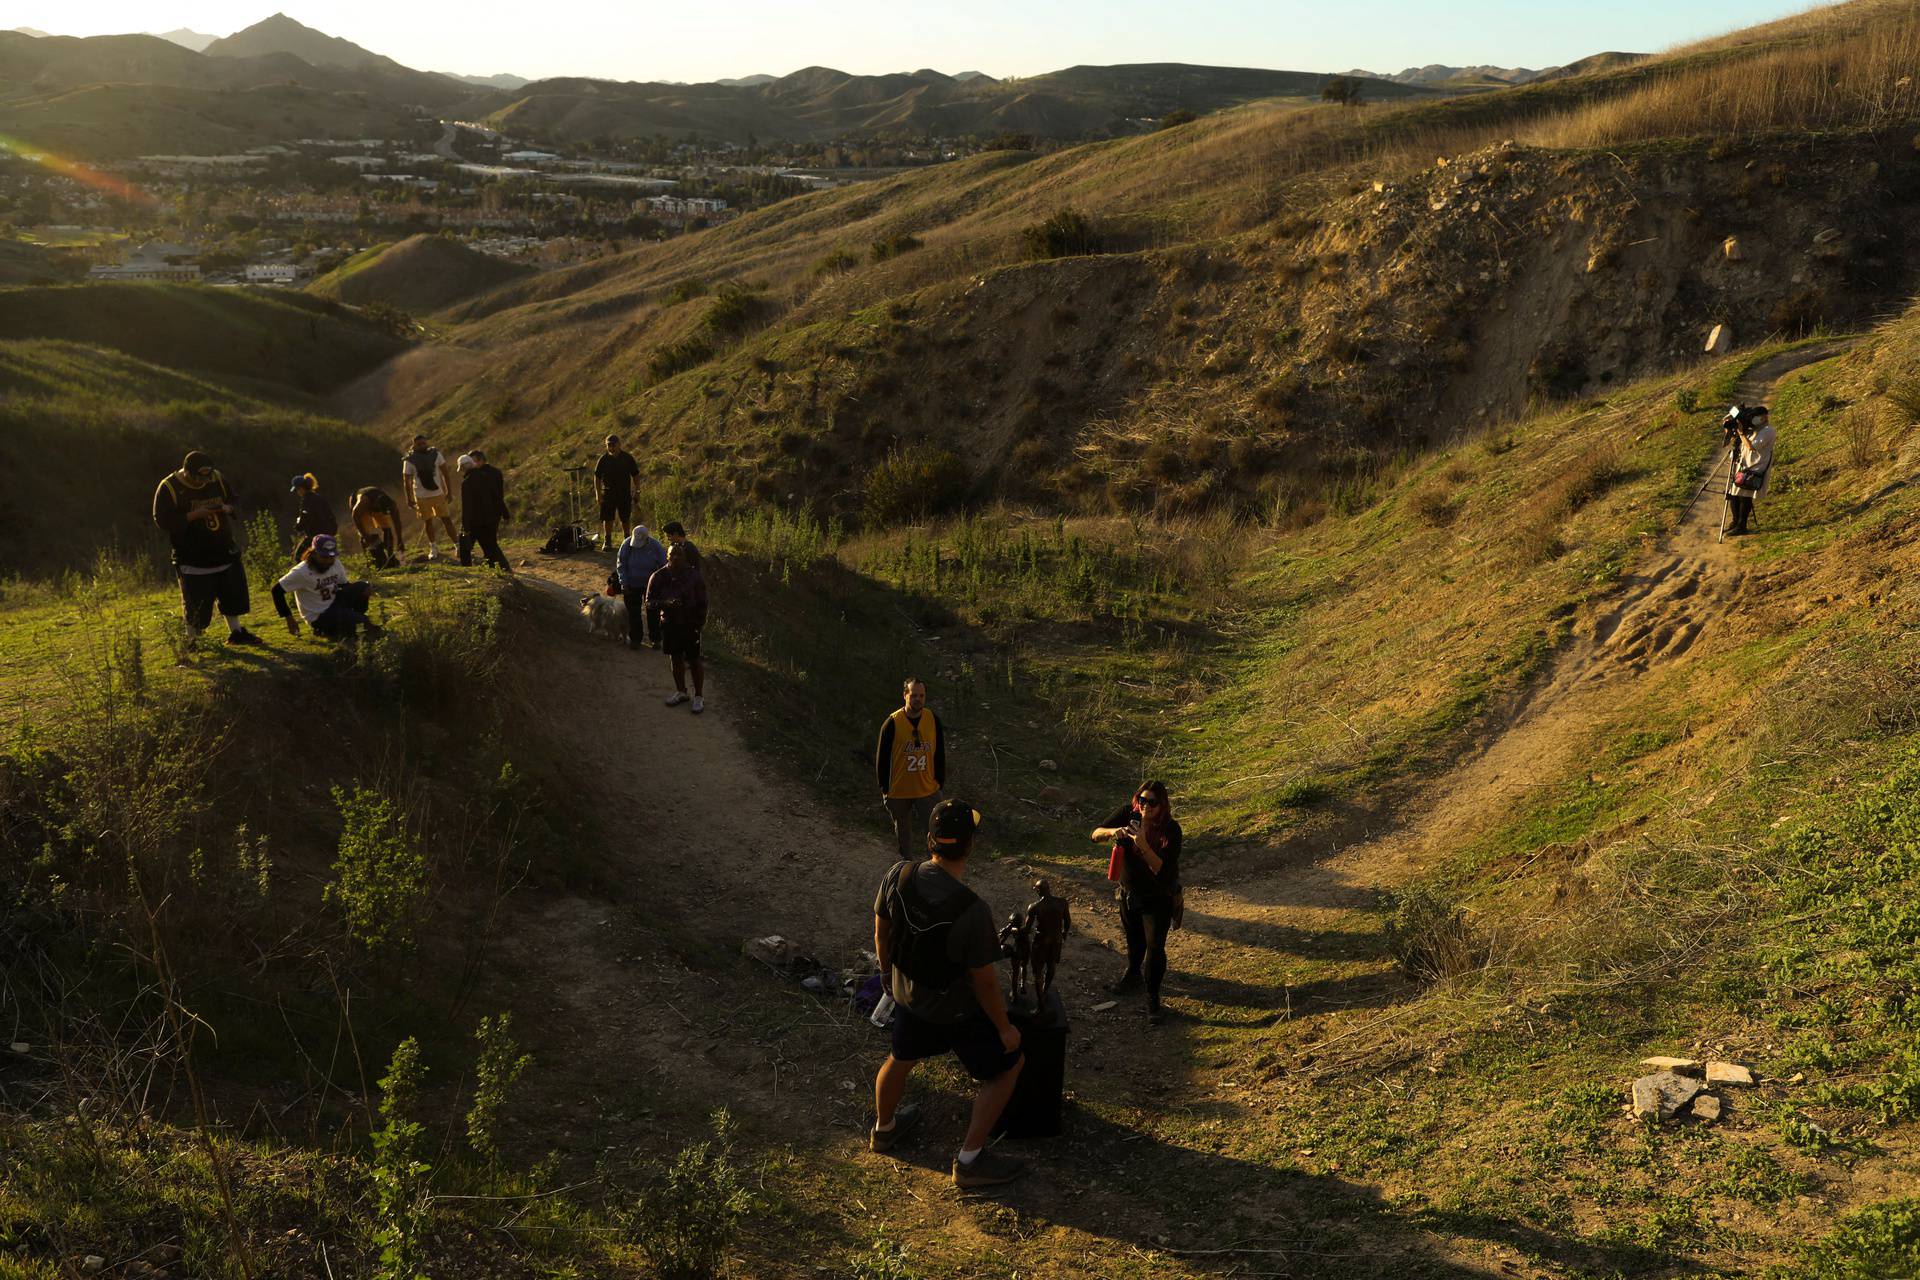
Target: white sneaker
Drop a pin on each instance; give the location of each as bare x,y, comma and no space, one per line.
699,705
432,554
676,699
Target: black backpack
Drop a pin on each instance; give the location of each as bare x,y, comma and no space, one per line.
920,932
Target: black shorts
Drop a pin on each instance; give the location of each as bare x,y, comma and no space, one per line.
680,641
616,506
200,591
976,1042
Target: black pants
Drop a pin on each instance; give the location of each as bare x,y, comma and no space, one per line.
1146,925
488,537
1742,511
636,637
199,592
346,614
910,819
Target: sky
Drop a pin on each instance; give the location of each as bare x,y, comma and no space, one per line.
689,41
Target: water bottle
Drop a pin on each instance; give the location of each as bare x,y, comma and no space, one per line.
882,1010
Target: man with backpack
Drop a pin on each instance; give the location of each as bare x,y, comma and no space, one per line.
429,486
940,957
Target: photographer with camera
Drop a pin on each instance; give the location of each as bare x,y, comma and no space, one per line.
1751,434
1146,862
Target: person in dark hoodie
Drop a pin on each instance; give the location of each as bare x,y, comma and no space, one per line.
195,509
483,505
315,515
679,592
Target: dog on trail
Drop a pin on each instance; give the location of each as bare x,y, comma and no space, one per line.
605,615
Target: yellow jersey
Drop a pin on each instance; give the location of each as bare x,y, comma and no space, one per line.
911,775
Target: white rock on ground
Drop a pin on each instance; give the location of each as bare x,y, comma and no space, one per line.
1728,1073
1720,340
1662,1094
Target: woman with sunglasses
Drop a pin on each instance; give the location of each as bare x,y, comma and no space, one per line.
1146,861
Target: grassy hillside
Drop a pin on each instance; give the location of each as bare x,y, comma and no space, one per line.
418,275
1253,310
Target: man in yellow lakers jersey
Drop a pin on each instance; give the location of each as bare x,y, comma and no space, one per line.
911,764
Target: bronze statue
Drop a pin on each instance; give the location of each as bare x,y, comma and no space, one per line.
1051,920
1016,943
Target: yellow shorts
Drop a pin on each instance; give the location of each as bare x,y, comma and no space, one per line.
427,508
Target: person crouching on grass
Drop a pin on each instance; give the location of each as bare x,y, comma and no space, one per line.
940,957
1146,861
679,593
333,606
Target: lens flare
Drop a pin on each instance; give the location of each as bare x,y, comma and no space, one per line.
83,174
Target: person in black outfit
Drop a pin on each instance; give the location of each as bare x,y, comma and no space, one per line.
1146,842
483,505
613,476
195,509
315,515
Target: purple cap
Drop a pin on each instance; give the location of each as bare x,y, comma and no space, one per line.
326,544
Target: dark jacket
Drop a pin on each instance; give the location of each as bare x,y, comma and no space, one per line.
197,544
315,515
483,498
1146,890
680,595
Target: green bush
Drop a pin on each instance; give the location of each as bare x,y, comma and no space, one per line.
264,556
913,483
380,874
1872,1244
684,291
494,1075
402,1202
893,246
1068,233
678,357
689,1218
839,262
1431,938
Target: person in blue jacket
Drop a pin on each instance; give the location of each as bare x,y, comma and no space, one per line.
641,556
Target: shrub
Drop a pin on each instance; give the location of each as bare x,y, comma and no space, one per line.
1881,1240
1576,489
892,246
913,483
1859,428
494,1074
402,1202
1434,507
264,556
1686,400
839,262
1904,398
684,291
688,1219
380,873
678,357
1068,233
1178,116
1431,938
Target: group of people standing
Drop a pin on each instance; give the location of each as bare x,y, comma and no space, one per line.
938,950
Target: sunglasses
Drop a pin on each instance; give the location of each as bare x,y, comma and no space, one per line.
1147,802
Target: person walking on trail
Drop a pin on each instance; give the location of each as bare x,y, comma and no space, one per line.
939,958
429,488
1146,862
910,763
483,506
641,556
613,477
195,509
1753,439
331,604
315,515
679,593
376,518
676,534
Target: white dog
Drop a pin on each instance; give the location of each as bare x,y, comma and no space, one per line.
605,615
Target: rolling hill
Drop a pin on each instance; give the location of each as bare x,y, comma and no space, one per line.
421,274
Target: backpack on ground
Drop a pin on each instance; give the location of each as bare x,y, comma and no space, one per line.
566,539
920,932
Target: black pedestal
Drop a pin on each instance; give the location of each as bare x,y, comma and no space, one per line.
1035,1109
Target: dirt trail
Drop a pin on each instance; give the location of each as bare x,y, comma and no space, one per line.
1685,591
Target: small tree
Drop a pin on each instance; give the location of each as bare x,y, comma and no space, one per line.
380,873
494,1075
402,1202
1344,90
687,1221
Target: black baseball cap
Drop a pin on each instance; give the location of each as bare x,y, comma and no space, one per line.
953,822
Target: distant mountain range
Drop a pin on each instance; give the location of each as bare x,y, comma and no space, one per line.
187,39
109,96
1438,74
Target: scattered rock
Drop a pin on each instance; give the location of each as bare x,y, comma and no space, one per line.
1662,1094
1732,250
1050,795
1706,1107
1827,236
1720,340
1798,1077
92,1262
1048,766
1105,1005
1728,1073
20,1046
774,951
1679,1066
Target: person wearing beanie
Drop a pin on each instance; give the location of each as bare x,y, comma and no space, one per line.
195,509
483,506
332,605
940,960
315,515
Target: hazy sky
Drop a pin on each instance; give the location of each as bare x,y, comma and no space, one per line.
703,41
